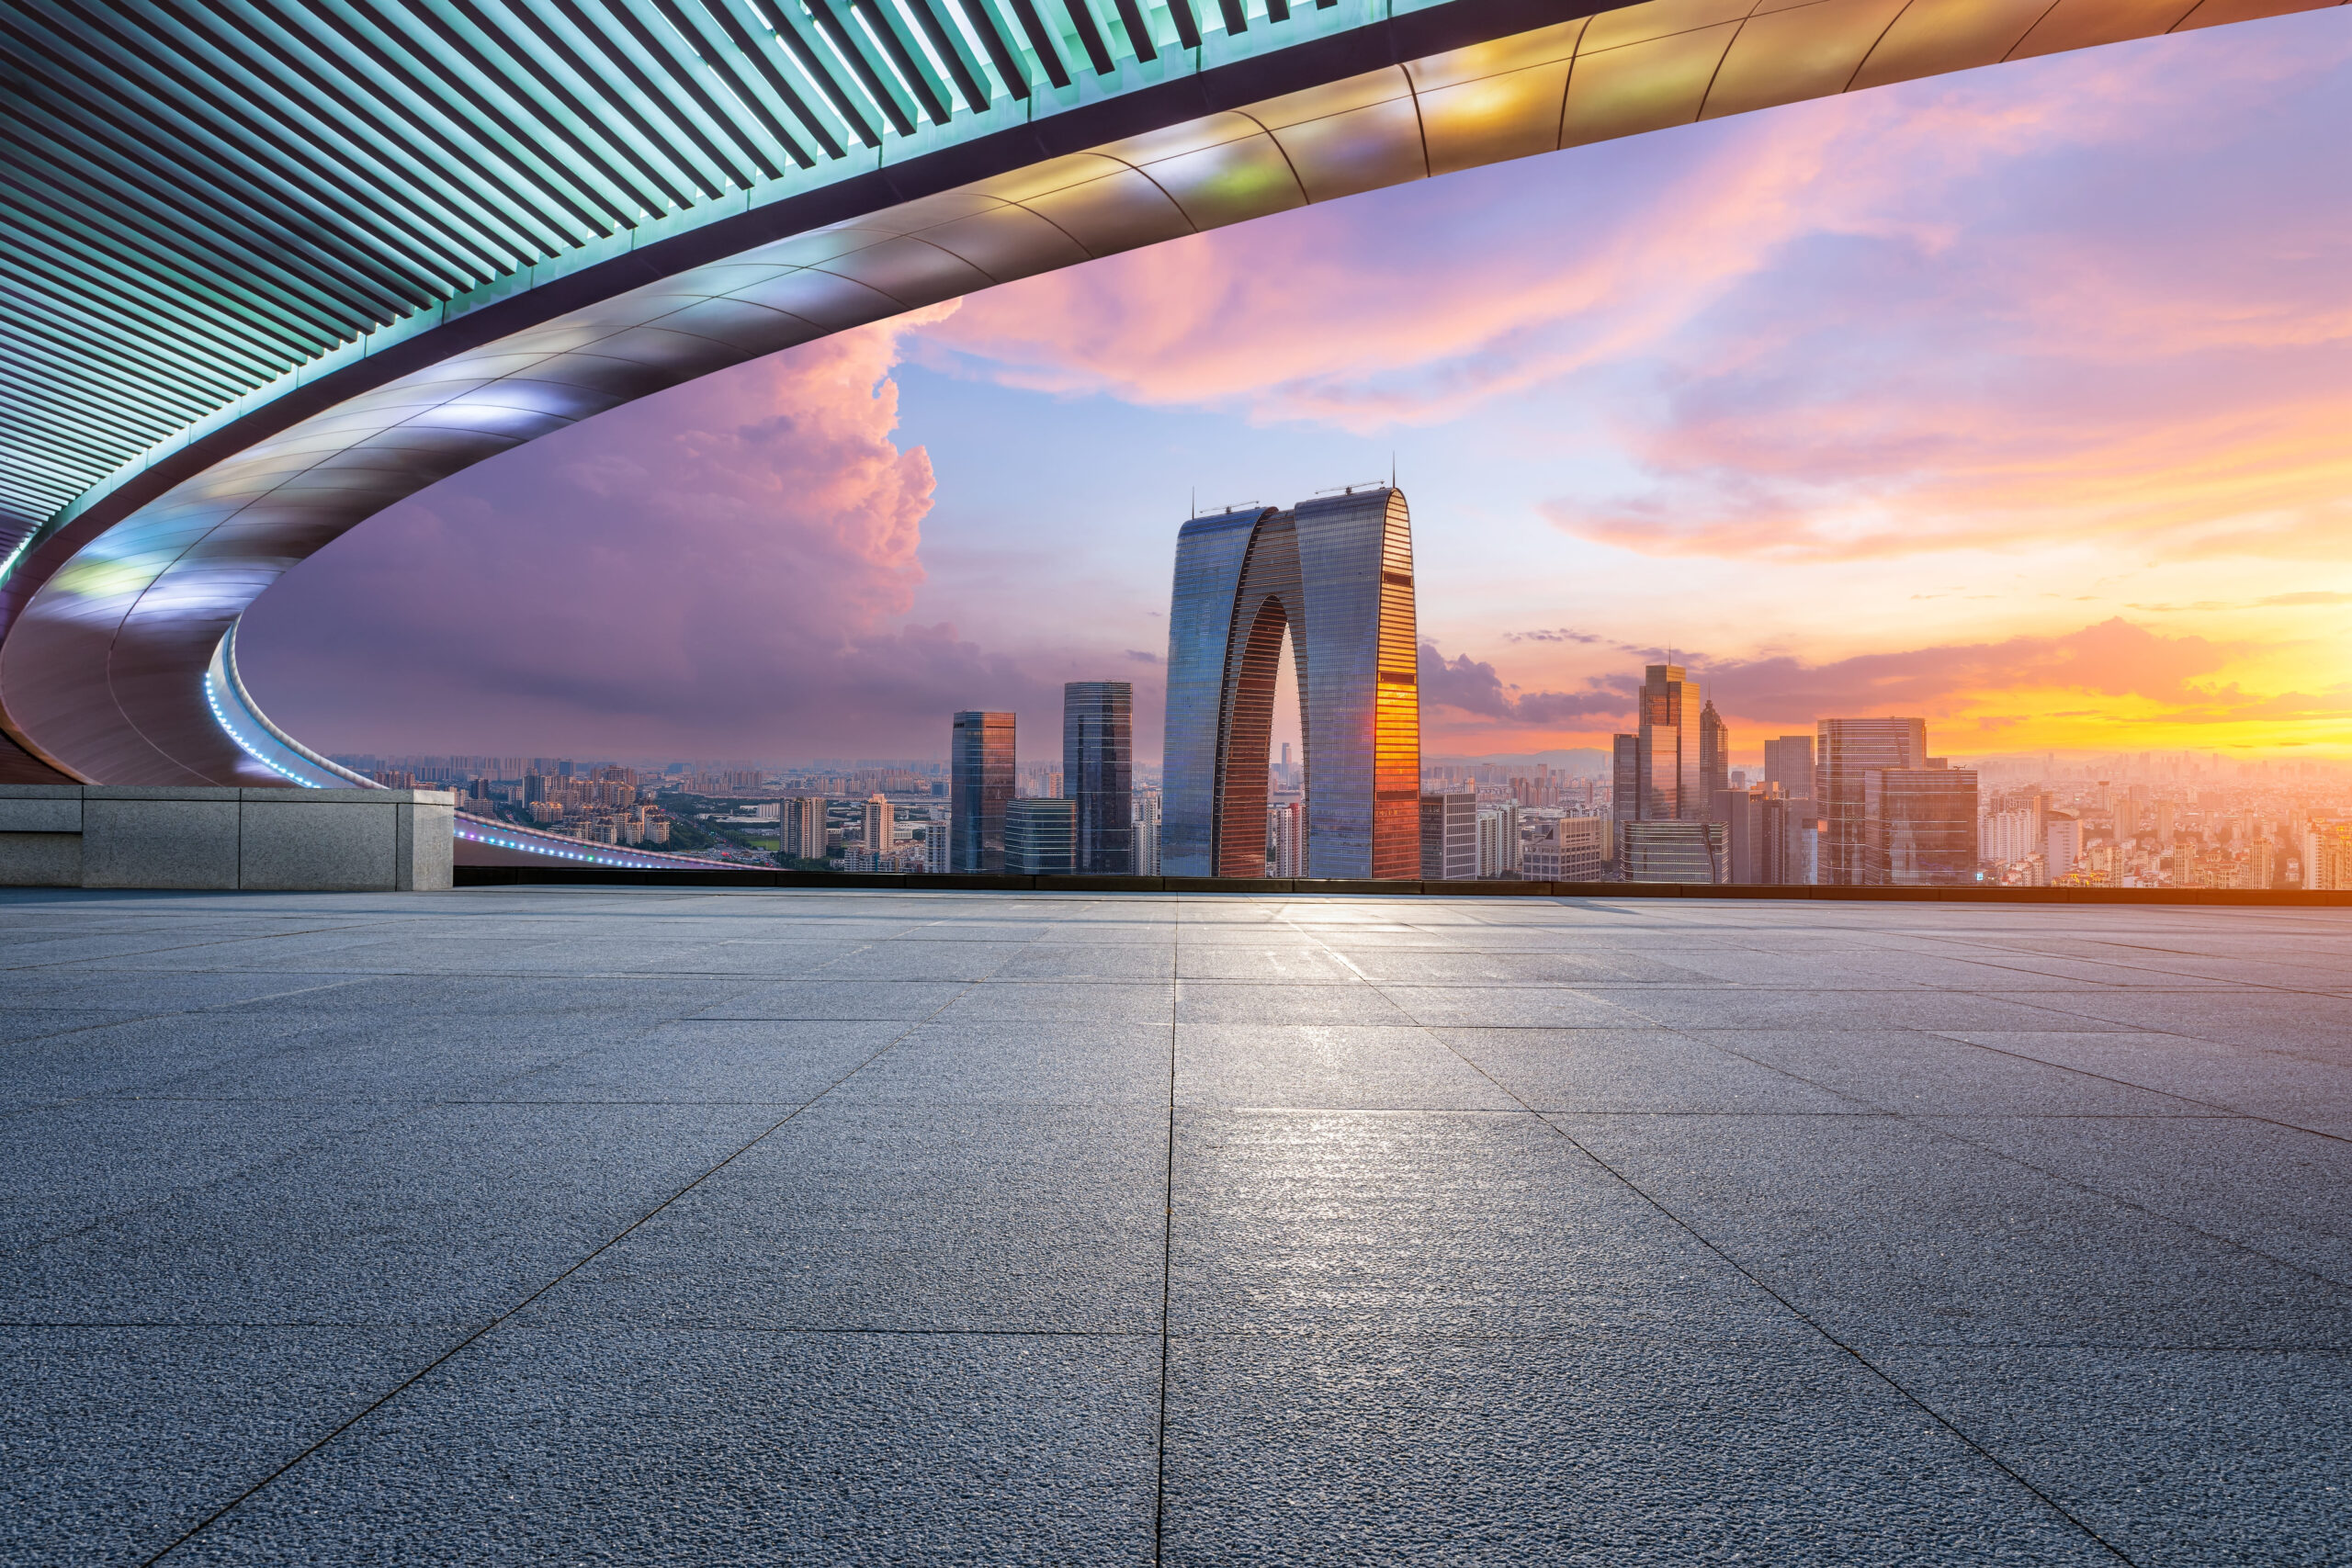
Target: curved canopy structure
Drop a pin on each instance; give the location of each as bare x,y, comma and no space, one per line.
276,264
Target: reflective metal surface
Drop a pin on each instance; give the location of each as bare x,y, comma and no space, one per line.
513,315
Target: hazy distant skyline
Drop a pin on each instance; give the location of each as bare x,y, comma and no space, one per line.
2014,398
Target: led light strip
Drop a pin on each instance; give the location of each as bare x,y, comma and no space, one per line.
645,861
213,697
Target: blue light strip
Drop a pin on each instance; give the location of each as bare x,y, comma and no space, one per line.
505,837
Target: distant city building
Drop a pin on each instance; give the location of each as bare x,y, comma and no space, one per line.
1336,573
1673,851
1571,849
1098,772
1146,820
1849,748
2327,857
879,831
800,827
1450,836
981,780
1921,827
1714,752
1626,777
1788,763
1789,842
2007,836
1668,742
1499,848
1286,838
1040,836
2062,841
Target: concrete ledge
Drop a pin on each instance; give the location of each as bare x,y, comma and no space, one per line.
343,840
754,876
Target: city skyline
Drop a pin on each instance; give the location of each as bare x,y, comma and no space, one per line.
618,590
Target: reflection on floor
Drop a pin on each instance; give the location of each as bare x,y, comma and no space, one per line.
669,1227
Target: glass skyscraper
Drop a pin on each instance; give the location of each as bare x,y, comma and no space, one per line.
1921,827
1714,754
1098,772
1670,789
1850,748
1336,573
1040,836
980,787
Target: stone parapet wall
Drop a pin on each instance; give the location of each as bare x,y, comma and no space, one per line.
325,840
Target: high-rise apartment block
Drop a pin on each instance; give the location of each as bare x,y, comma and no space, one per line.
2327,857
1098,751
981,780
1040,836
1285,839
2063,836
1849,748
1450,836
1500,847
1336,575
877,833
800,827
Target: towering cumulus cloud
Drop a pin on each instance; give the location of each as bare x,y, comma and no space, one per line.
719,566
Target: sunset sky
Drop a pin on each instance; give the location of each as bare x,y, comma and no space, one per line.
2020,398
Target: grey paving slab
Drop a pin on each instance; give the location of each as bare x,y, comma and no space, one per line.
121,1441
2312,1023
1235,1001
847,1226
1429,1222
1923,1074
1886,1232
1513,1006
1120,1001
153,1150
1635,1071
903,999
2281,1190
906,1218
737,1448
2277,1081
1607,1450
1743,1008
721,1061
960,1061
2179,1457
450,1214
145,1054
1313,1067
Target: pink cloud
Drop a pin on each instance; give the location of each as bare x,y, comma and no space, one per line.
719,567
1967,313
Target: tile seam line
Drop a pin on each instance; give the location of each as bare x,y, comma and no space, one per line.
479,1334
1576,1335
2078,1184
2219,1111
1860,1360
1167,1239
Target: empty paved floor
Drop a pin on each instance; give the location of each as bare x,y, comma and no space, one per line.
635,1227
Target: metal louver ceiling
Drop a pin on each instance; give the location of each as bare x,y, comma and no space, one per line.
203,196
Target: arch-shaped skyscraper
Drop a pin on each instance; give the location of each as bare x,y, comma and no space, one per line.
1336,575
